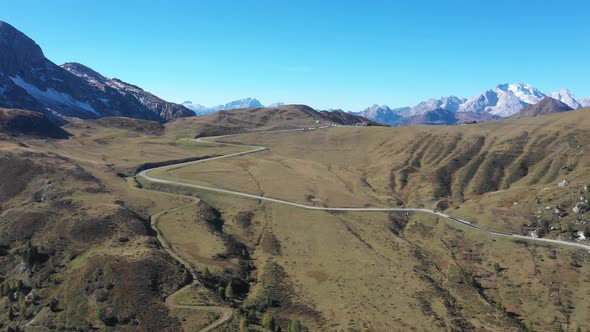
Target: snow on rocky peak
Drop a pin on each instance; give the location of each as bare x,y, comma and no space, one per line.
376,109
382,114
525,92
504,100
242,103
567,97
197,108
52,97
450,103
236,104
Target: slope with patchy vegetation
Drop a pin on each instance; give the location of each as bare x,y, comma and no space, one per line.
77,249
411,271
71,220
18,122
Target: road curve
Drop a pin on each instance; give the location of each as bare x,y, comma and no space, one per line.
255,149
225,313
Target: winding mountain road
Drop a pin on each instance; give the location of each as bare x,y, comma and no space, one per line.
254,149
226,314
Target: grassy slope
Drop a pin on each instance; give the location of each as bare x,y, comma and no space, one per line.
352,271
332,271
416,166
429,265
91,227
245,120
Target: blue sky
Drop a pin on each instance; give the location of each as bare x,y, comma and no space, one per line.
327,54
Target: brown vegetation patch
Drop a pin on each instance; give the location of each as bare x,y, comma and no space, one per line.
270,244
142,126
20,225
16,173
318,276
128,292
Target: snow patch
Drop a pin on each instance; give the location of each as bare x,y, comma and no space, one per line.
566,97
524,92
52,96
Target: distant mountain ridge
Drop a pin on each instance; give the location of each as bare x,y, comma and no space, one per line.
28,80
450,103
503,101
343,118
383,114
236,104
435,117
282,117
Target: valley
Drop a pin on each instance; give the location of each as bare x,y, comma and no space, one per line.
283,247
278,201
240,173
331,269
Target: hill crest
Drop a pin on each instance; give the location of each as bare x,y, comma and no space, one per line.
19,122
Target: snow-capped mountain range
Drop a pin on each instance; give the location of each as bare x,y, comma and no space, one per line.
502,101
236,104
451,103
30,81
384,114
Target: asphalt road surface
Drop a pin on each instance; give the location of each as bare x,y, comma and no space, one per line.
254,149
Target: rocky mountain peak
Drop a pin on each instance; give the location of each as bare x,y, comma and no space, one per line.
17,50
30,81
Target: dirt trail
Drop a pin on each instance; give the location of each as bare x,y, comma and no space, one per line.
226,313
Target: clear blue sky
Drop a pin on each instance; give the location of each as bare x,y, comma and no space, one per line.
327,54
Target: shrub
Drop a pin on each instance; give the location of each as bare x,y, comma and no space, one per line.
229,292
100,314
268,298
268,321
497,268
206,273
123,239
244,219
243,325
252,314
295,326
53,305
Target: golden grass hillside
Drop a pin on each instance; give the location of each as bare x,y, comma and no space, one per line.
392,272
415,166
73,218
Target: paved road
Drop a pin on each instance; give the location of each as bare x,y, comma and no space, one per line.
255,149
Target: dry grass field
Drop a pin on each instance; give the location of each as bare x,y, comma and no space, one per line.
332,271
382,272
